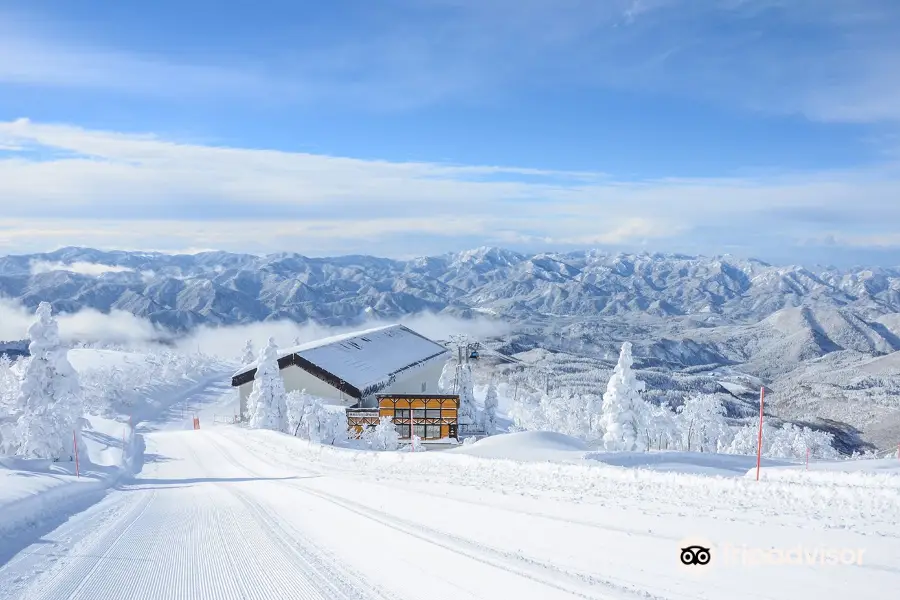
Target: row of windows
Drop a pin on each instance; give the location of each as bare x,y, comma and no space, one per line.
426,432
418,413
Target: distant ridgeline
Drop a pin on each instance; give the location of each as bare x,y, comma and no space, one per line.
14,349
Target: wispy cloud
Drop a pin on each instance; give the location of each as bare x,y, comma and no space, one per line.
80,267
32,56
140,191
830,61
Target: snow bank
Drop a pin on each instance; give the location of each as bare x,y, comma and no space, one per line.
86,359
527,446
874,473
703,463
834,503
32,491
114,382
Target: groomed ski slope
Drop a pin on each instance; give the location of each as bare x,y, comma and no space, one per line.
224,513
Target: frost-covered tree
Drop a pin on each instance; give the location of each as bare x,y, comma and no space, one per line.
267,402
787,441
489,415
447,382
314,420
9,392
247,355
310,419
623,407
661,431
468,416
525,411
384,436
701,421
49,400
296,403
415,445
9,386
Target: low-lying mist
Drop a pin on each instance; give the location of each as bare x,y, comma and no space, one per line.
121,328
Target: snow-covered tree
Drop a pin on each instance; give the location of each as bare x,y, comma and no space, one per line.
248,355
267,403
623,407
787,441
314,420
49,399
702,424
447,382
415,445
310,419
661,431
9,386
296,407
489,415
384,436
525,411
468,416
9,392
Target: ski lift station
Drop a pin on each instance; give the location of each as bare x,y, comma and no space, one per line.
387,371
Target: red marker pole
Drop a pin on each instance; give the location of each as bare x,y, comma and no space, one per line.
762,396
75,445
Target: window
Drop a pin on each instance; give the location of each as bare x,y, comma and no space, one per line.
432,432
418,413
401,413
433,413
420,431
402,430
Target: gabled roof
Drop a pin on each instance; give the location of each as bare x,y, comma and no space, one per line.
360,363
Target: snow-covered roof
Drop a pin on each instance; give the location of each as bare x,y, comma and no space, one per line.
361,362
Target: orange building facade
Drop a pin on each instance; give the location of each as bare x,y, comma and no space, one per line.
430,417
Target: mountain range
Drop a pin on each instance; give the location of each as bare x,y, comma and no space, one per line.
822,338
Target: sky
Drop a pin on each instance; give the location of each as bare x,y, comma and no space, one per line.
763,128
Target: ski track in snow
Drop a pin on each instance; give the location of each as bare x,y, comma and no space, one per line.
516,564
181,539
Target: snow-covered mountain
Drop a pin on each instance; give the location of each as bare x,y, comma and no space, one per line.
180,291
696,323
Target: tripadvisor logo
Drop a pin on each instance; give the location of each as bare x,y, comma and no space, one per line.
790,556
696,554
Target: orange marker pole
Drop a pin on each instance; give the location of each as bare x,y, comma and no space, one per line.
75,445
762,396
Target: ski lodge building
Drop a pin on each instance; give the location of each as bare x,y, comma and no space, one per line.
387,371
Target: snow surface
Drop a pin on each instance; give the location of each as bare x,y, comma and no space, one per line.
526,446
705,463
366,358
34,493
227,513
84,359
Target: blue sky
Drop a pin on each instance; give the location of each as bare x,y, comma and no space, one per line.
764,128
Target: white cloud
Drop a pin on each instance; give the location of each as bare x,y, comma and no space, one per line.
31,55
81,267
140,191
120,327
87,325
